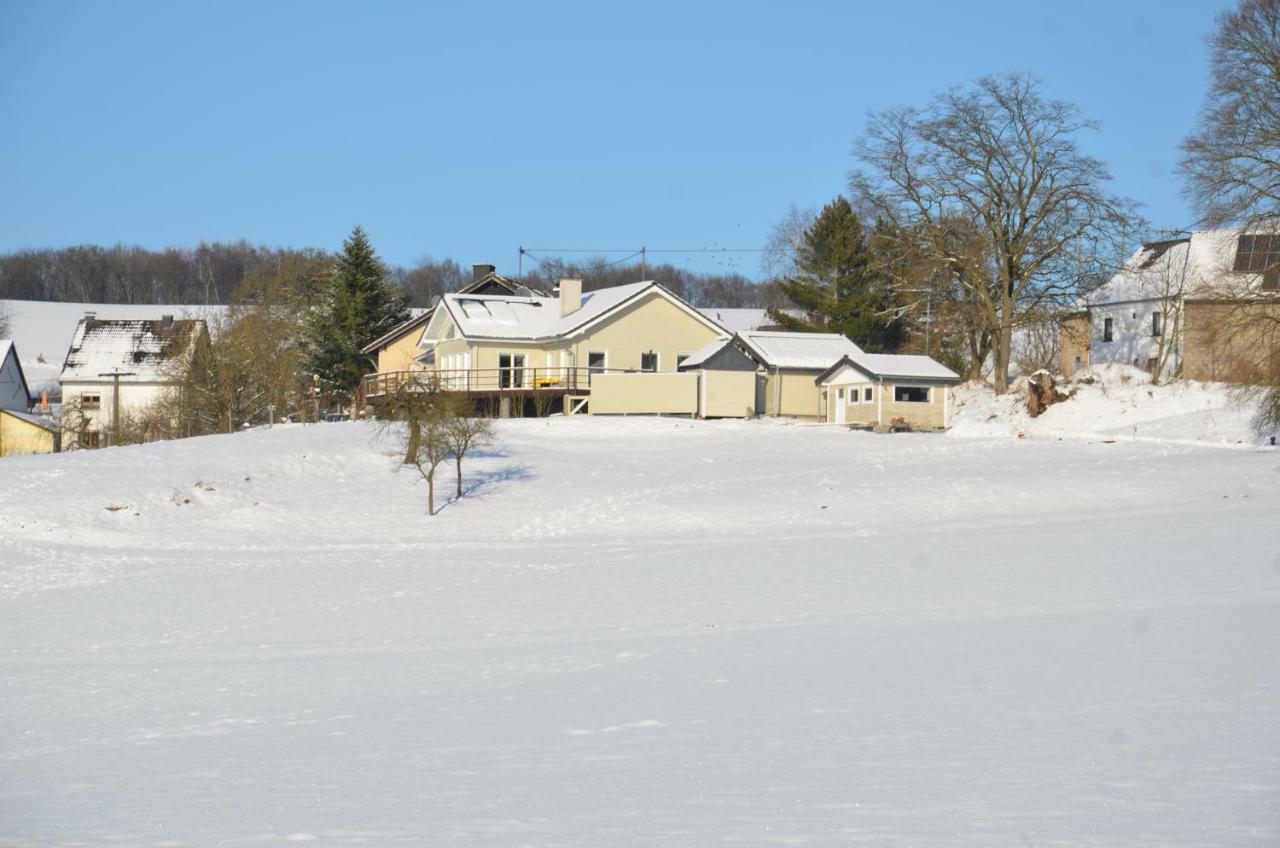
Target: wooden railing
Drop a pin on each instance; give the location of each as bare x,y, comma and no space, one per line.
552,379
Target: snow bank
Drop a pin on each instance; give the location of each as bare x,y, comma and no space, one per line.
641,632
1112,402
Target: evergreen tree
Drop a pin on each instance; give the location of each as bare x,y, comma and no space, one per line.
837,287
357,304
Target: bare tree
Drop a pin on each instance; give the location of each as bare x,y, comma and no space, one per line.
6,319
1232,161
990,185
463,433
1038,345
427,438
778,258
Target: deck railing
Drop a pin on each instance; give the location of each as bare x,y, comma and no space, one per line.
526,379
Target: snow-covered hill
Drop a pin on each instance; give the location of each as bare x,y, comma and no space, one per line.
641,632
1115,402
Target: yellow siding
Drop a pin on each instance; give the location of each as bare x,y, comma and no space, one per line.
653,324
18,437
799,395
728,394
644,394
1231,342
398,355
929,415
1073,342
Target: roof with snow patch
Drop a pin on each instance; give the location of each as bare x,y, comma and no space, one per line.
145,350
884,366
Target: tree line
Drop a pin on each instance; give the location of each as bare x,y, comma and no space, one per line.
213,273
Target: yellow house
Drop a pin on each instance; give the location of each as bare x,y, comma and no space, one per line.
397,350
20,432
494,343
791,362
886,391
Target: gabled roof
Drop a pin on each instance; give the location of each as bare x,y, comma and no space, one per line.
9,349
738,320
144,348
491,280
398,331
886,366
803,351
1198,265
534,318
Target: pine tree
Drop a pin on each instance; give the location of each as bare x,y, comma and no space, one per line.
357,305
837,287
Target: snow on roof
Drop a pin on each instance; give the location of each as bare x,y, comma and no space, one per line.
1196,265
532,318
740,320
44,422
143,349
811,351
705,352
885,365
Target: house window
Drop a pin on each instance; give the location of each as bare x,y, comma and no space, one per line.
90,400
595,360
649,361
680,358
910,394
1259,254
840,393
1157,324
1077,363
89,439
1108,329
510,370
866,395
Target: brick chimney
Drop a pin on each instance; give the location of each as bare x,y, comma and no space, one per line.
478,272
570,291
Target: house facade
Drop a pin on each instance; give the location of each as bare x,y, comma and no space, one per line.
1203,307
117,368
886,391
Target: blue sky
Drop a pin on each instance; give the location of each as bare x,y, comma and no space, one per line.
466,130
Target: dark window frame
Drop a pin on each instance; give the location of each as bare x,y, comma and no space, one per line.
1157,324
1108,329
650,355
910,394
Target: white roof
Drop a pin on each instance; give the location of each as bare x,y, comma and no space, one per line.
1196,265
903,365
811,351
536,318
704,353
143,349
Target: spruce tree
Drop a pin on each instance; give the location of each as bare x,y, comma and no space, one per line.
357,304
837,287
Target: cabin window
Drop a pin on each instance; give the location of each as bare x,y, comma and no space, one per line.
1157,324
1108,329
90,400
866,395
649,361
911,394
596,360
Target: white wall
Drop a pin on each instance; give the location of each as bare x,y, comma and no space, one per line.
134,397
1133,343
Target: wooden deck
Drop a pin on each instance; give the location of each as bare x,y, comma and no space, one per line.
485,382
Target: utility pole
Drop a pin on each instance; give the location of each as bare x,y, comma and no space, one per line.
644,265
115,400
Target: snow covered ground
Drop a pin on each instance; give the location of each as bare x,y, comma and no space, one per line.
642,632
1114,402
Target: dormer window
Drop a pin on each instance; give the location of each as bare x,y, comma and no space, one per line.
1259,254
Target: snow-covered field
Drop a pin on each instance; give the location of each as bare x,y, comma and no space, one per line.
642,632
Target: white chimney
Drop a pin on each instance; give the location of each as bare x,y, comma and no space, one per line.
570,290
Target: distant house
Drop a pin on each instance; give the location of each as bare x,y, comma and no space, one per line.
884,390
21,430
1206,304
397,349
115,368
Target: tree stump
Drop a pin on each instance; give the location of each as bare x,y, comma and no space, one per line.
1042,393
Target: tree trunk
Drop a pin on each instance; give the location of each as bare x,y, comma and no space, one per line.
458,460
414,440
431,493
1003,351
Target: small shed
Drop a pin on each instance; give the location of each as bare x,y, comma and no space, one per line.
885,390
791,362
729,385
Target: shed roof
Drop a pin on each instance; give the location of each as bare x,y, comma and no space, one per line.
803,351
884,366
142,349
705,352
44,422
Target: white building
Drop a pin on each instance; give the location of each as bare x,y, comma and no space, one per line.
123,365
1144,312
